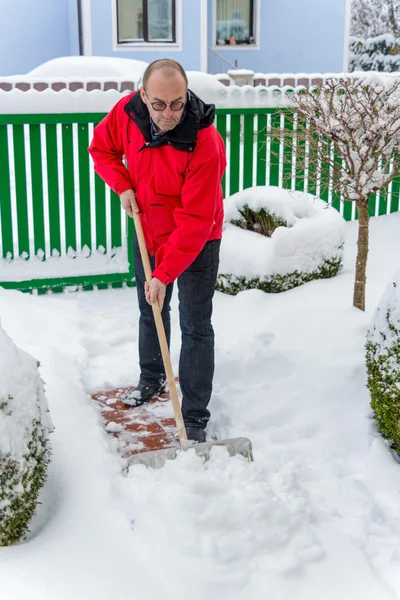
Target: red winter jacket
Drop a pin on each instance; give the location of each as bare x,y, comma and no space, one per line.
176,178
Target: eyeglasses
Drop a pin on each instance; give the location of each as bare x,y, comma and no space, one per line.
159,106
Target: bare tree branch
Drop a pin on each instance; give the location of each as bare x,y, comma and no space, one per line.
345,134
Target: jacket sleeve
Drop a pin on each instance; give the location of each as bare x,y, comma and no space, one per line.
195,217
107,150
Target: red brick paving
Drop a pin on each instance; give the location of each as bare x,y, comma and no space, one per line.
138,429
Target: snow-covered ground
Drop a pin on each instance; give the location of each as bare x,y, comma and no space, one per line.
316,516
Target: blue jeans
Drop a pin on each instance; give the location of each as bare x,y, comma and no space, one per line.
196,288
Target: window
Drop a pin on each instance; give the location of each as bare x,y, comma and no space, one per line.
235,22
146,21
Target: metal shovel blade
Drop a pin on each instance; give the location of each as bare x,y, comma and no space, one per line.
158,458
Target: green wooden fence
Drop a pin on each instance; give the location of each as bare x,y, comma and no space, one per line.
61,226
53,206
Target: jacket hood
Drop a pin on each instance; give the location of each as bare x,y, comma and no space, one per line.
196,115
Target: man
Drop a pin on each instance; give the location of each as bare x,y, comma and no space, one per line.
175,161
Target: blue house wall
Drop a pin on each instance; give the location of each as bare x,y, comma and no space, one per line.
34,32
293,36
290,35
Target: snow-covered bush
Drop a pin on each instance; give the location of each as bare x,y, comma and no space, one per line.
383,363
275,240
370,18
381,53
25,425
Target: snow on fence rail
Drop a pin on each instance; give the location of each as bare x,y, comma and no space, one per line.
280,79
48,101
60,225
73,84
302,79
26,83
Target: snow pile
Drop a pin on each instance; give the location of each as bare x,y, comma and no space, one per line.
206,86
25,425
303,240
89,66
232,514
383,363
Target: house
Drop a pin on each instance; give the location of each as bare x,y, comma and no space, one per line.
273,36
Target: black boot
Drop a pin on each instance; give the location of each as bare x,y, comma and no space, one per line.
143,393
196,434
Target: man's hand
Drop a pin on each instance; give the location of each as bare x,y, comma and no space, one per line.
128,202
155,292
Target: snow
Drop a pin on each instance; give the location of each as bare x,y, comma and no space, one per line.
374,54
317,515
363,141
113,427
25,425
315,231
386,319
48,101
21,389
374,18
209,89
222,76
75,263
379,81
240,72
206,86
89,66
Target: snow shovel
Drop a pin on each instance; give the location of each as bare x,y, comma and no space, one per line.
157,458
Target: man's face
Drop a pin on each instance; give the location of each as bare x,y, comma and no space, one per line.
170,89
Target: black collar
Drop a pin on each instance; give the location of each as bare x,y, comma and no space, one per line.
184,136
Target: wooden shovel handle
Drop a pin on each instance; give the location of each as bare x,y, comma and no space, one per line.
161,334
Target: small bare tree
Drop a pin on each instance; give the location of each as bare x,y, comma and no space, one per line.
345,134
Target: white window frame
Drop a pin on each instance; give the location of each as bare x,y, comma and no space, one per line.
145,46
346,49
87,27
238,47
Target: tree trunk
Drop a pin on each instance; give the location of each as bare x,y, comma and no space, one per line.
362,254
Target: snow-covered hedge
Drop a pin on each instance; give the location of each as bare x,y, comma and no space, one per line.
381,53
25,425
275,240
383,363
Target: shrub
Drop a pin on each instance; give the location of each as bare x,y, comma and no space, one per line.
381,53
275,240
24,440
383,364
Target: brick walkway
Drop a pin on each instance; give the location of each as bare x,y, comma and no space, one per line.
148,427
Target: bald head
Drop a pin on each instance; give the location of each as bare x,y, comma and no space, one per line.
169,68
